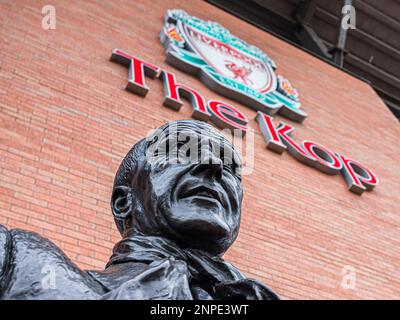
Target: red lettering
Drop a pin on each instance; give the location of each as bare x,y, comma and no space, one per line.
271,136
226,116
311,153
358,177
137,70
327,161
172,97
293,148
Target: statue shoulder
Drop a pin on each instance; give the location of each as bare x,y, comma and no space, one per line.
31,251
41,270
4,251
10,242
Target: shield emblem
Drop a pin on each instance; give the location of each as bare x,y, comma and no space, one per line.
228,65
230,61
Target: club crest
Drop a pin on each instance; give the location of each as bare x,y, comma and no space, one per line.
228,65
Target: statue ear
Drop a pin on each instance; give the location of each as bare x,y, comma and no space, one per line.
121,202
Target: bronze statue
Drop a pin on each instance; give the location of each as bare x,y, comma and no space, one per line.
176,215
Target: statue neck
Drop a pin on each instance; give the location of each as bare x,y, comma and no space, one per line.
140,248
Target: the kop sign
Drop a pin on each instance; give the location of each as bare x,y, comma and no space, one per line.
242,72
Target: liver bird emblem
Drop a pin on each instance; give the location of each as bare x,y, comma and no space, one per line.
239,72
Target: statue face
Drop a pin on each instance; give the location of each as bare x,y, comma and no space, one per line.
192,186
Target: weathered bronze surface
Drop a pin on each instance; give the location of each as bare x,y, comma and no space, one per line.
176,218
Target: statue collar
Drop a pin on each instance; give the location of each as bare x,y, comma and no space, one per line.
208,277
136,252
148,249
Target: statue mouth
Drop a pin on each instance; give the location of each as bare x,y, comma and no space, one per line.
201,192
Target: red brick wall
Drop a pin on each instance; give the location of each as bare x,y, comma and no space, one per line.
66,122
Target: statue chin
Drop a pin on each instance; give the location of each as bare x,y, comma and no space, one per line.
201,227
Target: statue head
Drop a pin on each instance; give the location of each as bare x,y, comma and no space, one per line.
181,183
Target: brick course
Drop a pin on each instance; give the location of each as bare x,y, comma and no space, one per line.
66,121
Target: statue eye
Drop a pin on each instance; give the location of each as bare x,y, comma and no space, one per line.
232,169
230,164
